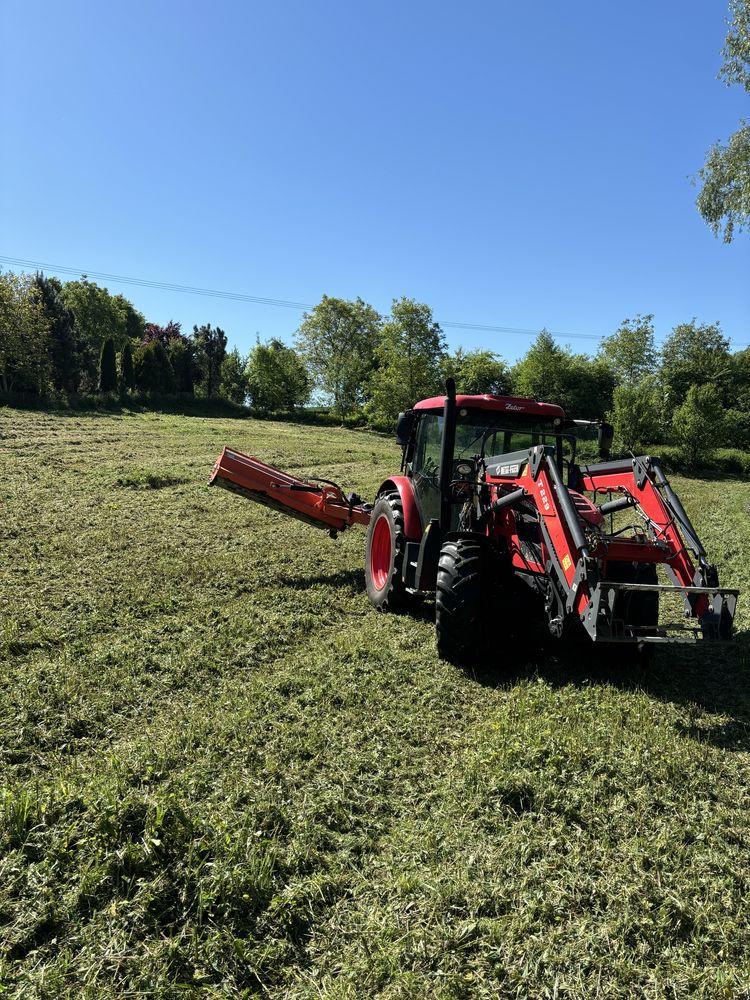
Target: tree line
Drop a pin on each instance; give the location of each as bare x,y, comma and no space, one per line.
63,338
692,392
75,337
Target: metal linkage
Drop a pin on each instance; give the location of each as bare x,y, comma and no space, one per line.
319,503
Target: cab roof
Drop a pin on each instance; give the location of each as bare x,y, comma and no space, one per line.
498,404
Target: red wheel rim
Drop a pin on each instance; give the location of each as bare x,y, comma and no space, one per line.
380,552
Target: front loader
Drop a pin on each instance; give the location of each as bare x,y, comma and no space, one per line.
493,515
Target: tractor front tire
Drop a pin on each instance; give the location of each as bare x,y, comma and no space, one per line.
462,601
384,555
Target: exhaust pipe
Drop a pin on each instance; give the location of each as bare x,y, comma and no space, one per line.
446,456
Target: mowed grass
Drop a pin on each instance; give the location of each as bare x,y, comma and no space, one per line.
225,775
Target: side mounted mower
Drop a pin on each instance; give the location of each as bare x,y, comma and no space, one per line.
493,515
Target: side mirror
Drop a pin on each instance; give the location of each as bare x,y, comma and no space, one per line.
404,427
604,439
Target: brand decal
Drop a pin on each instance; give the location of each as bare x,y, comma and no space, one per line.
512,406
509,470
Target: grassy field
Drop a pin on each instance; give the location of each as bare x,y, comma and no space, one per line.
224,775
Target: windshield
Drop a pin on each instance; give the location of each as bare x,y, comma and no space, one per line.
482,433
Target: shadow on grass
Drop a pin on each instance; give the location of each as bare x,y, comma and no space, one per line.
711,678
352,581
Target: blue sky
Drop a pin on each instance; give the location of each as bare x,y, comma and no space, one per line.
519,165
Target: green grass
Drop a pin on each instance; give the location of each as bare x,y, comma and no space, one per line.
224,775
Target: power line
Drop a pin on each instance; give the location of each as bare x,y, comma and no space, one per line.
279,303
257,299
161,285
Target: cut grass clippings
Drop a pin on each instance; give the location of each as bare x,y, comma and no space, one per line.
225,775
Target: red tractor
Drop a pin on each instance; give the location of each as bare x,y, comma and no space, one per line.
493,515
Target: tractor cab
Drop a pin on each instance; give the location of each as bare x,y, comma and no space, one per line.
489,434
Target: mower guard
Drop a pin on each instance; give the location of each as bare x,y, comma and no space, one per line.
319,503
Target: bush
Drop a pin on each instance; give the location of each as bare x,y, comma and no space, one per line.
153,369
635,414
733,461
698,424
736,429
723,462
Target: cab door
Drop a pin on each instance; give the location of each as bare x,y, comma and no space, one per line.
425,466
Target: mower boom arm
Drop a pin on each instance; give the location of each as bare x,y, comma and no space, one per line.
319,503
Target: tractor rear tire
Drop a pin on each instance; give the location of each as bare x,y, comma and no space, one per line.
462,601
384,555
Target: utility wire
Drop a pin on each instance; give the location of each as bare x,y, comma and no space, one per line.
162,285
264,301
256,299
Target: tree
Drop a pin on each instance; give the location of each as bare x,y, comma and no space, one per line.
724,199
740,380
135,321
153,371
63,346
276,377
590,383
408,359
166,334
210,348
630,352
180,351
126,365
477,372
636,414
233,380
694,354
25,361
337,340
542,373
697,425
181,354
550,373
108,367
98,315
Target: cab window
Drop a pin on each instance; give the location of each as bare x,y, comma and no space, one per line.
425,467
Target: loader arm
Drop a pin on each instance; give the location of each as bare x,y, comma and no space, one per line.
575,553
319,503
